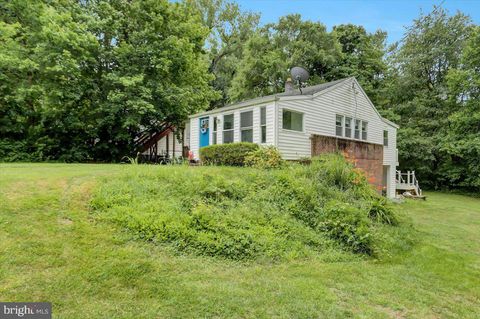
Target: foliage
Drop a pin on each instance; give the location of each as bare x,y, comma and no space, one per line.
242,214
348,225
265,157
418,94
461,147
269,54
233,154
277,47
381,211
80,80
362,57
229,28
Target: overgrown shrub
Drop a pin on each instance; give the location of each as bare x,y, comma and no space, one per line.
265,157
380,211
231,154
15,151
348,225
244,214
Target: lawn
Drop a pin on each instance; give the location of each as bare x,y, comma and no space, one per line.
53,249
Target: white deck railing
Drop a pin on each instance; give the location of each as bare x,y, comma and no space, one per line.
408,181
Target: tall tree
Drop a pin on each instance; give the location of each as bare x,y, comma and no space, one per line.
431,47
83,78
42,54
277,47
362,57
229,28
461,147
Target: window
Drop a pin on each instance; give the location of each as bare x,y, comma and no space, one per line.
263,124
214,131
357,129
348,127
292,121
385,138
364,130
246,126
339,125
228,128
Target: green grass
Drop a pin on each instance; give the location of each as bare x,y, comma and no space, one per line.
53,249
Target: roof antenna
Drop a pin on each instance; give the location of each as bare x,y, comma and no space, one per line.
355,97
300,76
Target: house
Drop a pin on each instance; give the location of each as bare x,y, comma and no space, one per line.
334,116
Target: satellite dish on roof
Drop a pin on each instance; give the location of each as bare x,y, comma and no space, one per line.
299,74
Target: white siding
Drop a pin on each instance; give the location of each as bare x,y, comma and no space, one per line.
271,124
270,114
174,142
319,118
187,134
194,137
236,126
256,125
390,157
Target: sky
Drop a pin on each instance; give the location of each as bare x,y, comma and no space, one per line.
388,15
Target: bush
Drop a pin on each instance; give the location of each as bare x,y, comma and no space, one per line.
381,212
348,225
231,154
265,157
15,151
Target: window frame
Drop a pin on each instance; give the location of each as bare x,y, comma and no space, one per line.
357,129
214,130
246,128
297,112
228,130
341,126
349,120
263,126
385,138
364,130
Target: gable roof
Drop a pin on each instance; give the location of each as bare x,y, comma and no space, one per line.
306,91
310,90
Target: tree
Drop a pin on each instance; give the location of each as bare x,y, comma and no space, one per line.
275,48
461,147
82,79
362,57
151,67
418,94
229,28
42,53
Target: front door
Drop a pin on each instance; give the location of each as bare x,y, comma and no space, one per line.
204,132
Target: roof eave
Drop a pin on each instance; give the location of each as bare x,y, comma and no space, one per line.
390,123
235,106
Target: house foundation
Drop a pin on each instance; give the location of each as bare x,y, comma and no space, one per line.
366,156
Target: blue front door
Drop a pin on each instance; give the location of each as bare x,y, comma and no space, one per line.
204,132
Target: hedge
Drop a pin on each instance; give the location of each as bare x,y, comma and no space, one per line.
232,154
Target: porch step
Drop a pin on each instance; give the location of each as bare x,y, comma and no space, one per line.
407,182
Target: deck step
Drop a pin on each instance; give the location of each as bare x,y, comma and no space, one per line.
408,182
